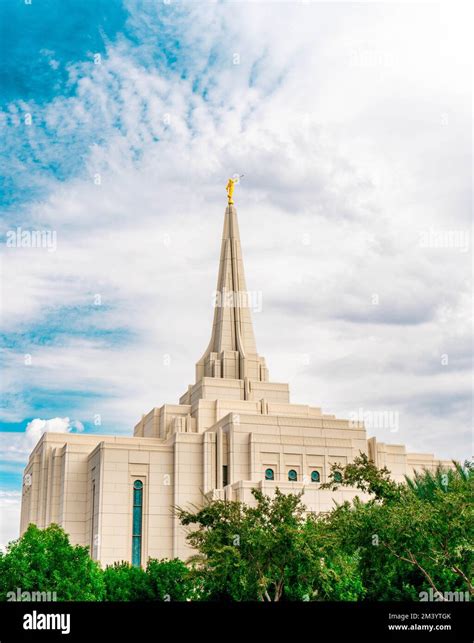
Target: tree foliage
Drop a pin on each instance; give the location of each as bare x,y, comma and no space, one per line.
162,580
169,580
43,560
269,552
413,536
124,582
408,538
364,475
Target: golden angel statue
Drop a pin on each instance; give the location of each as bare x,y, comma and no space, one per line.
231,183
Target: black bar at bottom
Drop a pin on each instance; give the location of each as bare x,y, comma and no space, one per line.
303,622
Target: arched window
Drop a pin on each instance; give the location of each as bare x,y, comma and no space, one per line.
269,474
337,476
137,523
315,476
292,475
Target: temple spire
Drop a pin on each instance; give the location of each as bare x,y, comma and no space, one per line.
232,351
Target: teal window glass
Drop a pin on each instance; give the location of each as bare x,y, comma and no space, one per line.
137,522
315,477
337,476
292,475
269,474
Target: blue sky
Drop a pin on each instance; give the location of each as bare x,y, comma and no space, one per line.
43,41
139,113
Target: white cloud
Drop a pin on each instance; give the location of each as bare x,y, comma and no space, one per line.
15,447
36,428
10,505
352,139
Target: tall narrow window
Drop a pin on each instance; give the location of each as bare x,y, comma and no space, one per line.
93,534
137,523
225,476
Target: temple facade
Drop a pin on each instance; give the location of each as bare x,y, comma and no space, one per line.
233,430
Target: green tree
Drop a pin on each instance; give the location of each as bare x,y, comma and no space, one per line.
169,580
124,582
336,572
43,560
410,537
163,580
268,552
363,474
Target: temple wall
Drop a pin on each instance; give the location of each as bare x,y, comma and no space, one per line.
85,482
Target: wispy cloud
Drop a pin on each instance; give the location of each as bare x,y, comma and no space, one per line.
336,116
16,447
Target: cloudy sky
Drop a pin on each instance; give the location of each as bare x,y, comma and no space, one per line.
121,122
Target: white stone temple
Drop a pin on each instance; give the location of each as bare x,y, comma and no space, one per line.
232,430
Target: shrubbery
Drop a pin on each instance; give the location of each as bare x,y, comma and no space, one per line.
162,580
409,538
44,560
